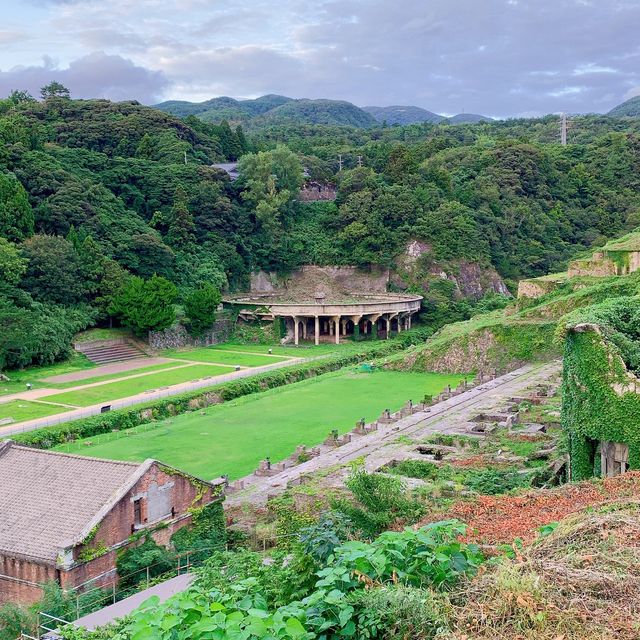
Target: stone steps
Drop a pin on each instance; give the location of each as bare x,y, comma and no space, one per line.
108,352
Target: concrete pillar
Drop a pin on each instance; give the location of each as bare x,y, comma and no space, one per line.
337,328
388,321
304,329
409,322
317,330
296,337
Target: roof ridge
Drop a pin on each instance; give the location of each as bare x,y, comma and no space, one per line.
76,456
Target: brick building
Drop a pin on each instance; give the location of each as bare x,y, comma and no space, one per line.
64,517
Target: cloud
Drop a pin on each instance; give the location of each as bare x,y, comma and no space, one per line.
497,57
96,75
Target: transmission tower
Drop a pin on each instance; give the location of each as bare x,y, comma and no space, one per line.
340,162
563,129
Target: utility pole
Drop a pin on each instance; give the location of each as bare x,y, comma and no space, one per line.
563,129
340,162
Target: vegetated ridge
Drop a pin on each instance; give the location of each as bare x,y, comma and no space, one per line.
628,109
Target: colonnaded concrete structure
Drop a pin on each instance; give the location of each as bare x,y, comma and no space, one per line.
328,320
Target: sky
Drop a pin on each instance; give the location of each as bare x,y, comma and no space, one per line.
495,57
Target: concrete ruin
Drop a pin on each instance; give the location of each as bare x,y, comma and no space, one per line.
327,320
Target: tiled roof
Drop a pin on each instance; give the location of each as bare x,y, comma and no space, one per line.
47,499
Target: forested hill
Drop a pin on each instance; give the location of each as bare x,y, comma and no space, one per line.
272,109
280,110
628,109
111,208
398,114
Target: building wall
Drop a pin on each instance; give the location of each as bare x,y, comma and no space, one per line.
19,577
165,496
160,490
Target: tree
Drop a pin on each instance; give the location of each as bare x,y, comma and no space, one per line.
54,271
181,232
12,264
113,279
54,90
271,180
200,307
145,305
18,96
16,215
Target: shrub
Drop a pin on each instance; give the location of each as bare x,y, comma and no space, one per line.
380,501
415,469
495,481
132,562
398,613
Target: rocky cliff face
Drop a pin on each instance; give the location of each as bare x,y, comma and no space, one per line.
413,268
330,281
416,268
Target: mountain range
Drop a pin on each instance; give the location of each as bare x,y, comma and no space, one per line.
274,109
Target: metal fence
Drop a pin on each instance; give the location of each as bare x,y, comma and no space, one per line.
148,396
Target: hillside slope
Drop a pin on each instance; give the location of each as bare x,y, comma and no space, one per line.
272,110
523,331
472,118
628,109
398,114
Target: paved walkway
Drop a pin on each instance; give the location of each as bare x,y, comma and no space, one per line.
120,609
106,370
385,445
39,394
147,396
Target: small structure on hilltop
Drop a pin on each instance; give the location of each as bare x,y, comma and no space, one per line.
63,518
314,191
617,258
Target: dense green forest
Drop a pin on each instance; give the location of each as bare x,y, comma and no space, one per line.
105,206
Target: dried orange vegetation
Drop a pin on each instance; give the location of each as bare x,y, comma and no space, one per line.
501,519
474,461
580,582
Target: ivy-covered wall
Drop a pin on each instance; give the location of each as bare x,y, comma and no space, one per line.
599,399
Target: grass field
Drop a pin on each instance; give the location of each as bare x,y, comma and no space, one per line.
112,376
132,386
233,437
20,410
18,378
305,350
219,356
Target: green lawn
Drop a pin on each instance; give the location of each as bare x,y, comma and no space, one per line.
112,376
132,386
219,356
233,437
18,379
305,350
21,410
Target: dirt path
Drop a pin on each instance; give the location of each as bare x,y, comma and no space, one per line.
38,394
106,370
